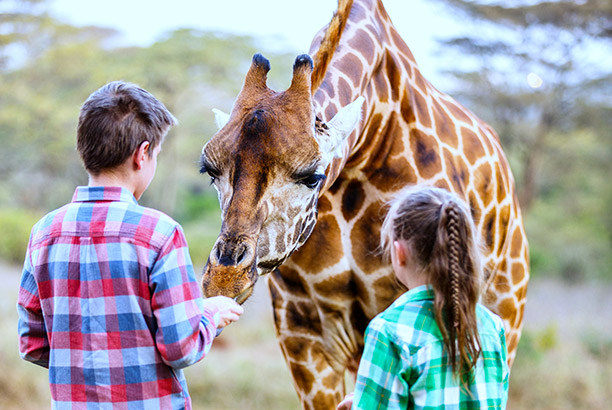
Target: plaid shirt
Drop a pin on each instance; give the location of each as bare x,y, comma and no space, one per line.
404,364
109,303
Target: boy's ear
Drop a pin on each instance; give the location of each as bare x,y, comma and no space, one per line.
140,154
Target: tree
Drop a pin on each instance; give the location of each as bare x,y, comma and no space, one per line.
537,72
191,71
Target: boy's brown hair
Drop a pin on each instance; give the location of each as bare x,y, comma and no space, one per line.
115,120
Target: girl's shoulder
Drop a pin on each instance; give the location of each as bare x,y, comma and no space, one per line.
409,325
488,321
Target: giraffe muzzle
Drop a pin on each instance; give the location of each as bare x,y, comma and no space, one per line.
230,271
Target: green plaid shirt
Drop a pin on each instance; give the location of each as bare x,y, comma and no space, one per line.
404,365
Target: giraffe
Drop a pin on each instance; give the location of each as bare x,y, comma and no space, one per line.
303,176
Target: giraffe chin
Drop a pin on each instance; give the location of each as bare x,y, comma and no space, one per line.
244,295
220,280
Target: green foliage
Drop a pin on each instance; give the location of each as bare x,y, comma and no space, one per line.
534,344
15,226
190,71
598,345
201,236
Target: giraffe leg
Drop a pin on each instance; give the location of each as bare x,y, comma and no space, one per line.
318,379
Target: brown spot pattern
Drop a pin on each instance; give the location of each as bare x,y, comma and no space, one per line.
445,126
474,208
507,309
516,245
324,205
381,84
407,110
386,290
328,89
363,42
365,238
483,183
502,229
420,81
393,76
395,172
352,199
472,146
297,348
501,185
290,281
425,150
457,171
351,66
344,92
336,287
323,248
303,318
457,112
518,273
302,377
489,229
359,321
324,401
501,284
422,109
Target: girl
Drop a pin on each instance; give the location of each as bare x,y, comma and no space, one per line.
435,346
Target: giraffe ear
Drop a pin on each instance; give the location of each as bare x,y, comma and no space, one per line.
221,118
344,122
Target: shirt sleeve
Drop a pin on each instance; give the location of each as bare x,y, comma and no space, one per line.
186,327
382,375
33,339
505,369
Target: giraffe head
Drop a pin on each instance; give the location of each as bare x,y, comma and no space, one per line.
268,162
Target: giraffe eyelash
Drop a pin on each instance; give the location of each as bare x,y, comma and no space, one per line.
312,181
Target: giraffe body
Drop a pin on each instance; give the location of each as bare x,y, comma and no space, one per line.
333,281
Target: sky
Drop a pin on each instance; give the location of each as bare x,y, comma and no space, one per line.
282,23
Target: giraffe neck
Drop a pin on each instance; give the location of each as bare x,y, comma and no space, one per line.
362,65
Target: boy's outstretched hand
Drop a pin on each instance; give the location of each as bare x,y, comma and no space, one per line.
229,310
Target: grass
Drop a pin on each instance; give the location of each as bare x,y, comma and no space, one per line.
564,359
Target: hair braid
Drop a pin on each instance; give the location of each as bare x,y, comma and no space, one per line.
453,239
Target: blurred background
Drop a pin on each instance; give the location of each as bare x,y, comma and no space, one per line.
540,72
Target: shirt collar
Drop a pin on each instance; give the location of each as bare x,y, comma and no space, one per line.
423,292
103,193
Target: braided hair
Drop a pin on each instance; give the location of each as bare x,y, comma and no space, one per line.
437,227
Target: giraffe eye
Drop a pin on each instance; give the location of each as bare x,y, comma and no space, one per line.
213,173
312,181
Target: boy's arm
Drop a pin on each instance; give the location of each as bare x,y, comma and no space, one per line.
186,327
33,340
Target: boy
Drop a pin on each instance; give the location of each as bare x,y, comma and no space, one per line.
108,300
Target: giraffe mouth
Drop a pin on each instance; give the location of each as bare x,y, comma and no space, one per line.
244,295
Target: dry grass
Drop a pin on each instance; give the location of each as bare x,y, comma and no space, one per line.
564,360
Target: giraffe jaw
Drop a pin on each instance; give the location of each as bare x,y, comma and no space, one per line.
244,295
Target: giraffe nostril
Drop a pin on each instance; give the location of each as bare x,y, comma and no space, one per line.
228,255
240,255
218,253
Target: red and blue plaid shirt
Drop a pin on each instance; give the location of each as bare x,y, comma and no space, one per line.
109,303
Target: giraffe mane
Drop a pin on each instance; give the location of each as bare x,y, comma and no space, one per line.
330,42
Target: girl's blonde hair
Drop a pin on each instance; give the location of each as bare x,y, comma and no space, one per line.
438,229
